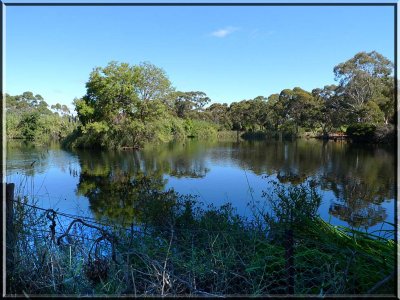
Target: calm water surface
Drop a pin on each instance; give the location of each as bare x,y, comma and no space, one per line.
357,182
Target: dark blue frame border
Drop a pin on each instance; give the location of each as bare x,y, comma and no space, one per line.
392,4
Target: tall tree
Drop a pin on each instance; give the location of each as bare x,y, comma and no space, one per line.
275,112
110,92
120,101
185,102
297,108
151,82
331,114
362,78
219,114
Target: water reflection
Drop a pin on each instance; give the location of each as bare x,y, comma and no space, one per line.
360,177
27,158
357,202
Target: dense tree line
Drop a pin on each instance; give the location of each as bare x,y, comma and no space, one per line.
29,117
362,102
128,105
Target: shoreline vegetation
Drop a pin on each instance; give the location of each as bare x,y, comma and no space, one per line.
126,106
174,247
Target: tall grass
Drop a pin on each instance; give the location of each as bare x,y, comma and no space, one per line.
183,249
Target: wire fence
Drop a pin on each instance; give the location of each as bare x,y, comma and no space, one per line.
208,254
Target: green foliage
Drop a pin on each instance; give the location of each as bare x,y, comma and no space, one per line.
385,134
167,129
187,102
219,114
28,117
109,92
292,205
29,124
200,129
150,82
85,111
361,131
288,128
372,64
364,77
372,113
13,119
130,105
256,135
122,106
172,246
27,102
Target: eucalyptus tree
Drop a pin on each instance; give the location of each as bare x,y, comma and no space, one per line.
275,112
185,103
28,116
219,114
239,116
61,109
361,79
249,114
296,108
385,100
258,111
331,113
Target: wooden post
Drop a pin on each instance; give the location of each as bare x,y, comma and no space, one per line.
10,238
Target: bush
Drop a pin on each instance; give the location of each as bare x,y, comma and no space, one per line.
361,131
384,134
288,129
200,129
180,248
29,125
167,129
256,135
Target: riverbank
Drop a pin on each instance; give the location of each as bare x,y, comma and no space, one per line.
359,133
182,250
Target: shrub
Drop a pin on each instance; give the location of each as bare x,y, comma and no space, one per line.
361,131
200,129
256,135
384,133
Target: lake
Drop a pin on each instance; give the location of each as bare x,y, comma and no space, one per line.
356,181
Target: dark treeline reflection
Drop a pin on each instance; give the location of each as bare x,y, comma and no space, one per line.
124,185
359,178
26,158
29,159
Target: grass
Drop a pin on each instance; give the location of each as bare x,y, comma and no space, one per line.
197,252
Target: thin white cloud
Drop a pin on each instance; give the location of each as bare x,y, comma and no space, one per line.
257,33
221,33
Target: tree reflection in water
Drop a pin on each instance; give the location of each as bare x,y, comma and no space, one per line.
358,203
121,184
129,187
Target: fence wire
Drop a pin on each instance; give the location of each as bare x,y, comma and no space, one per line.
64,254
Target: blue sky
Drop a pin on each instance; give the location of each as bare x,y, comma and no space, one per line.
230,53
